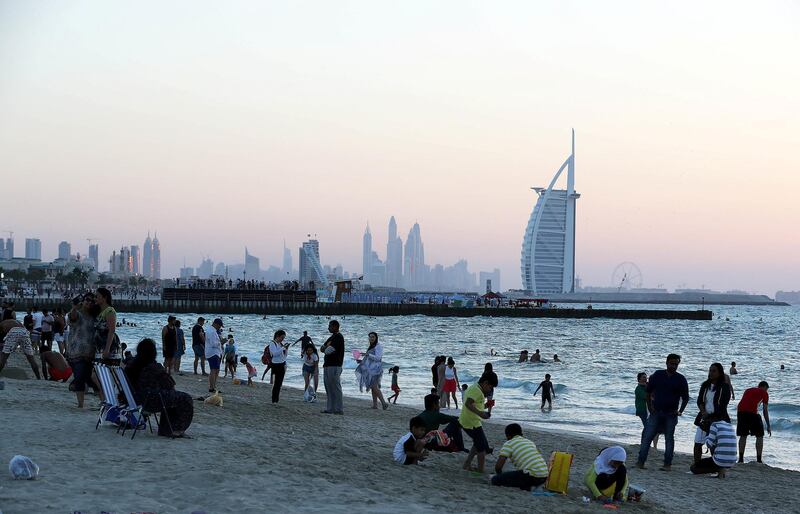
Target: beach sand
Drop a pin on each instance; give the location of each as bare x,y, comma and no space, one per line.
251,456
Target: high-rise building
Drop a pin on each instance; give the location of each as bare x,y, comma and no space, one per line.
186,273
33,249
220,269
548,247
206,268
64,250
394,257
286,269
9,248
252,266
156,258
414,262
121,264
311,270
489,281
3,249
94,257
147,257
366,255
135,259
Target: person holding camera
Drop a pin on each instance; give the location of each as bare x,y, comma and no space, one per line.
80,344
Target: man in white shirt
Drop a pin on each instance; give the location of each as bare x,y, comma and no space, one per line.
213,353
277,351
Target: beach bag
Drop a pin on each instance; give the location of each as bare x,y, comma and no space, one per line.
558,478
266,359
214,399
310,395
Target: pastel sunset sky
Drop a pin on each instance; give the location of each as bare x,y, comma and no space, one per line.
225,124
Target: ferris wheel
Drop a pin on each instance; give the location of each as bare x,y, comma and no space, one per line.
626,276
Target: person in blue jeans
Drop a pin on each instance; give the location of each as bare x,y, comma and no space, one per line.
665,390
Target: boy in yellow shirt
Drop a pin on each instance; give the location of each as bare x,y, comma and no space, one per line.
472,412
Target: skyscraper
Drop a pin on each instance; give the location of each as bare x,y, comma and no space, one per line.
64,250
252,266
414,262
147,257
310,267
94,251
9,248
286,269
548,247
135,259
3,249
33,249
156,258
394,257
206,268
366,255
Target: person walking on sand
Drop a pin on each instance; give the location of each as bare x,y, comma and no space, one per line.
333,350
213,351
181,348
450,383
370,370
748,421
640,395
169,343
470,419
277,352
665,389
199,345
548,392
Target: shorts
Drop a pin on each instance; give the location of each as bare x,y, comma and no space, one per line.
58,337
82,372
59,376
168,351
199,351
700,436
395,389
479,441
213,362
308,369
18,336
449,386
36,335
749,423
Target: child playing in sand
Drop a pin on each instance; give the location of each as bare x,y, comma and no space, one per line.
410,449
395,388
251,370
229,355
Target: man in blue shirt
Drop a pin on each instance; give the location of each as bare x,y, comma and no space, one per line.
665,389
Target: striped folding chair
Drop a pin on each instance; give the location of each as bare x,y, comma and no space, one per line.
110,391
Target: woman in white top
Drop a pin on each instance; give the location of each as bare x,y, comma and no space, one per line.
277,351
370,370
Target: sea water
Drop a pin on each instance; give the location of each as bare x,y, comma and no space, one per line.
595,382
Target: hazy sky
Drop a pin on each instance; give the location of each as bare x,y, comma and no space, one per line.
221,124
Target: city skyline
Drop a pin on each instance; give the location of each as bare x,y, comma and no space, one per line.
288,126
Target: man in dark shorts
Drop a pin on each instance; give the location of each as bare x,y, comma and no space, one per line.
665,389
472,412
548,392
169,343
199,345
748,421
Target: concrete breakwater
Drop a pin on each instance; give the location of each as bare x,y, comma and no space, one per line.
211,307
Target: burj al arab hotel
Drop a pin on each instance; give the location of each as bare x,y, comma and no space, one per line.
548,248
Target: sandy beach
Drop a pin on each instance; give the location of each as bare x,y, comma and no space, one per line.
251,456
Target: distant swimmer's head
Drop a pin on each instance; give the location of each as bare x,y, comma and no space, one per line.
537,350
513,430
783,367
763,385
733,364
547,376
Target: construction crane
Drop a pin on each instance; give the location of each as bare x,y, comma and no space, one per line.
10,233
90,239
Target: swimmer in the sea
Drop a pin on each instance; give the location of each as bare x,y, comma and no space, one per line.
536,357
555,358
548,392
523,356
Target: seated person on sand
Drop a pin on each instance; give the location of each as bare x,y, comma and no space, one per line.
433,419
721,443
523,356
410,449
150,381
530,469
536,357
13,334
607,478
59,370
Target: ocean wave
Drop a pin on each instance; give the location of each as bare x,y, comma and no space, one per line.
785,425
785,408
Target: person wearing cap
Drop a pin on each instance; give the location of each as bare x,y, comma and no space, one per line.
199,345
213,352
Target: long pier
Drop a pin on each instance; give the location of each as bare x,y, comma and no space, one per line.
294,308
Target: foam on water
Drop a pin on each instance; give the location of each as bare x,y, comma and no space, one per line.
594,383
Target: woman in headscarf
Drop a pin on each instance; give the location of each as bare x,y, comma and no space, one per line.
150,380
712,400
607,479
370,370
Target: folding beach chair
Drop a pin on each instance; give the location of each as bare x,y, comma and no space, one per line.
110,392
134,414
